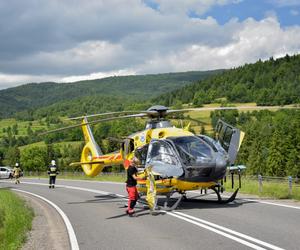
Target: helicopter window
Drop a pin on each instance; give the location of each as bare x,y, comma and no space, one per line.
162,157
192,149
227,137
162,152
127,147
209,141
131,145
141,154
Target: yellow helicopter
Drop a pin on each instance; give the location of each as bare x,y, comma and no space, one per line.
173,160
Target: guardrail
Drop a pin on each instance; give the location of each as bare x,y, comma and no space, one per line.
266,185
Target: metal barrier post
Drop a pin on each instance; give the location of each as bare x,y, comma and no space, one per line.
290,184
260,183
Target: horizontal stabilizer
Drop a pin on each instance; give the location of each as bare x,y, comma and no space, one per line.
73,164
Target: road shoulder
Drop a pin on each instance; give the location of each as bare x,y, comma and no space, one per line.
48,228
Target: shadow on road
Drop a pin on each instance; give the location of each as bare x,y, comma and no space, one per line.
138,213
100,199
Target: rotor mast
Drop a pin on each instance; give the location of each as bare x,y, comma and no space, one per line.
157,116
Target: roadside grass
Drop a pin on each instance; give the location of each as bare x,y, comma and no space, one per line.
15,220
271,189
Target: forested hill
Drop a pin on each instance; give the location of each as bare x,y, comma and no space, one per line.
141,87
272,82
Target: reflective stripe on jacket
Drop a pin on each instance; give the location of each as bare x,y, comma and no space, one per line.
53,170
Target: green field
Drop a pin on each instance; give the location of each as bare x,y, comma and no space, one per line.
270,189
15,220
22,126
58,144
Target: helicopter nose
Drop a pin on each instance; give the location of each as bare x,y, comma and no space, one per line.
220,162
220,169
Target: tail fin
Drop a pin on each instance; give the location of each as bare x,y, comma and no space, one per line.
90,152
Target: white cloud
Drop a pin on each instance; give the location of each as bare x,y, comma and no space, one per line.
9,80
254,40
71,40
97,75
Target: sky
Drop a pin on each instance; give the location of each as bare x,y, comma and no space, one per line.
71,40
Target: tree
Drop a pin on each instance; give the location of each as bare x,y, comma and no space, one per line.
12,156
34,159
276,160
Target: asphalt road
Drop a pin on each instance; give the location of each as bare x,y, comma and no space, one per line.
96,212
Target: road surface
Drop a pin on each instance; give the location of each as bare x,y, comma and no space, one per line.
95,211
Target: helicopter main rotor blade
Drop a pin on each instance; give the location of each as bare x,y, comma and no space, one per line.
104,114
229,108
94,122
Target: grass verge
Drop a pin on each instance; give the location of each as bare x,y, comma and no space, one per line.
15,220
271,189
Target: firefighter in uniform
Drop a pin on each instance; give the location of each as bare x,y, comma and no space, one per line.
17,172
52,172
131,183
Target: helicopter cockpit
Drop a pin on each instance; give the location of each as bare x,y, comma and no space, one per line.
189,157
192,150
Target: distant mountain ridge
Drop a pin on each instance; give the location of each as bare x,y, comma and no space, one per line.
139,87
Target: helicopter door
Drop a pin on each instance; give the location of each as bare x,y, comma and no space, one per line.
230,138
162,157
127,148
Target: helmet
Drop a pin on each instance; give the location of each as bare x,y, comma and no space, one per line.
53,162
17,164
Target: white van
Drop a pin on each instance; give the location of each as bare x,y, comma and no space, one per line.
6,172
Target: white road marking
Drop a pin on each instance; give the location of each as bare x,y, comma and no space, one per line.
191,219
76,188
246,243
230,231
258,201
74,180
71,233
271,203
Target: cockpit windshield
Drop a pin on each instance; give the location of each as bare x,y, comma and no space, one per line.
192,150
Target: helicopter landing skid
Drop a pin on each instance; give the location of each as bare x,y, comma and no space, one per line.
230,199
175,205
165,207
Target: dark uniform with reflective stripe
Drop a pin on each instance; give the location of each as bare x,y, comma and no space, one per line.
52,172
131,189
